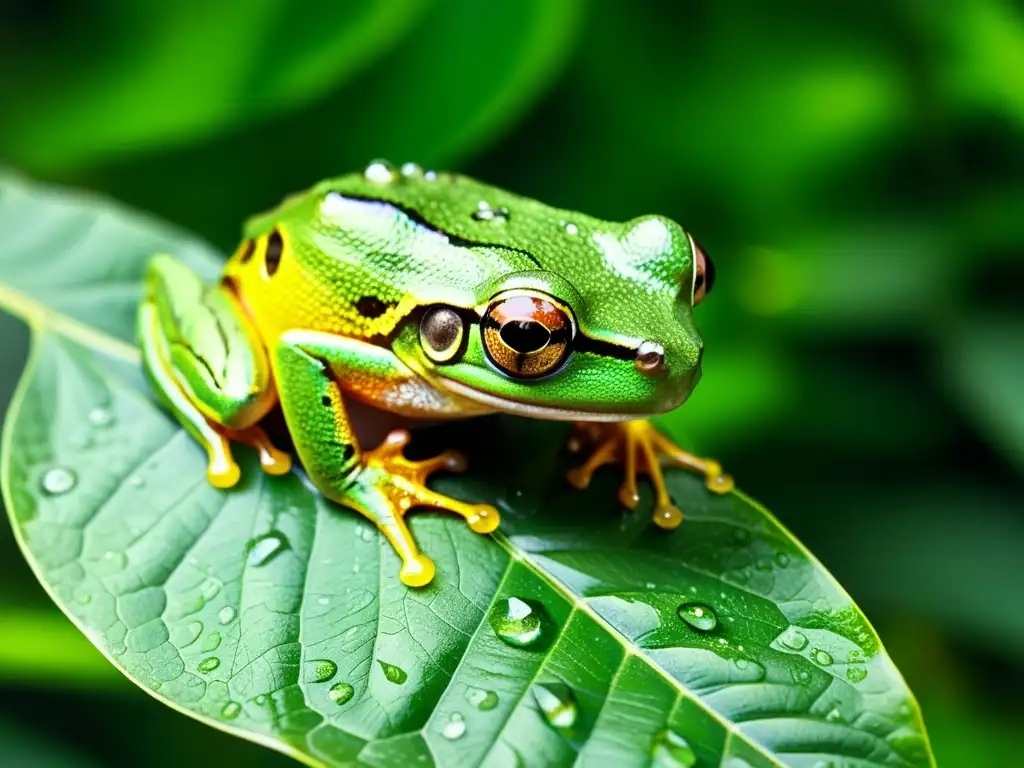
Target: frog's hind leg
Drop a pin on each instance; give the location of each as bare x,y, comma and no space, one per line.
208,367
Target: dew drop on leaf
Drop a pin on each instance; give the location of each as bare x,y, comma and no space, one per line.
340,693
856,674
556,703
211,643
210,587
793,639
183,636
455,728
483,700
263,549
59,480
208,664
101,417
781,559
226,615
393,674
318,670
230,710
673,751
699,616
820,657
113,561
520,623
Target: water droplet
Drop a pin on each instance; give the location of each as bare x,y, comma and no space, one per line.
319,670
208,664
393,674
430,175
781,559
650,585
741,663
101,417
856,674
518,622
230,710
484,212
59,480
263,549
113,561
455,728
722,641
483,700
820,657
834,716
84,599
226,615
187,635
793,639
340,693
323,601
136,482
209,588
411,169
380,172
557,704
672,750
366,534
571,229
698,615
212,642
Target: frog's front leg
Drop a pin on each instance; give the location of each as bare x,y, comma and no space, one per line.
640,448
381,484
208,366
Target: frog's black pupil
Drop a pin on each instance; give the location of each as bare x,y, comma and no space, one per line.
709,273
275,246
525,336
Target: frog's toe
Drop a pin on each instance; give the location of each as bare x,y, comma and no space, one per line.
221,470
417,571
667,516
718,481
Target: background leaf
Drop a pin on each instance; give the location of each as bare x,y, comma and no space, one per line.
272,614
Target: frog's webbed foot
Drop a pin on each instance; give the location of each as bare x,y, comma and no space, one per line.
389,485
640,448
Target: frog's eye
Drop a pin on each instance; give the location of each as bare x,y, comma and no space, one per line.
704,272
441,334
526,334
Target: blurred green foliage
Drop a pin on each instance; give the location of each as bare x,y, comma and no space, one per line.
853,168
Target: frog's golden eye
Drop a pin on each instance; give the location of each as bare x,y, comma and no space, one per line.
526,334
704,272
441,334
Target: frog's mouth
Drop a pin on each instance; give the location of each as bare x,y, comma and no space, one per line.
532,410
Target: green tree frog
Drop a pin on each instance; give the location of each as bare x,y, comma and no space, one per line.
430,295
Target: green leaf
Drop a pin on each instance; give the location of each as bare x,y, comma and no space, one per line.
157,73
983,365
577,633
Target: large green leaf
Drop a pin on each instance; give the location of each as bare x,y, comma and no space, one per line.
149,74
272,614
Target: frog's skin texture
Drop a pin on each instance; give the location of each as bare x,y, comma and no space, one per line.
430,295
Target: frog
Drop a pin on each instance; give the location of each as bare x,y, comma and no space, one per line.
430,295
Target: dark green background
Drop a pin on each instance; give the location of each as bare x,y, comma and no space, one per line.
854,169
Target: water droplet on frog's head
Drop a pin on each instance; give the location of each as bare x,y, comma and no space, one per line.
698,615
556,703
411,169
208,664
340,693
856,674
230,710
380,172
263,549
226,614
393,674
518,622
59,480
571,229
484,212
455,728
318,670
793,639
483,700
673,751
101,417
820,657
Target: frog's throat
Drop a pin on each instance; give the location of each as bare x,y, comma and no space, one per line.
531,410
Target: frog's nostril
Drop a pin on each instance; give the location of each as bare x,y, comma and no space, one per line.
650,357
